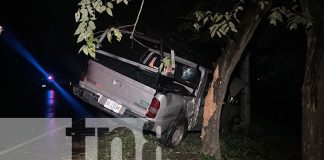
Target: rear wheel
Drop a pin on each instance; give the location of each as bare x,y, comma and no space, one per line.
176,133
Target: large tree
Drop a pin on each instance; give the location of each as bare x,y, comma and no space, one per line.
312,92
225,65
313,87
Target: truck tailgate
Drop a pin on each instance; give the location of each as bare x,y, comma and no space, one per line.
117,87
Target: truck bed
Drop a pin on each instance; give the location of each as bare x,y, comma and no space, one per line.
120,82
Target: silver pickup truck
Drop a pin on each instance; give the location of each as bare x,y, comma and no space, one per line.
165,95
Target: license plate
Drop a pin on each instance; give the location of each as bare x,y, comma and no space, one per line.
112,105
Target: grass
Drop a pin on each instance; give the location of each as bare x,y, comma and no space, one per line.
188,149
251,144
238,145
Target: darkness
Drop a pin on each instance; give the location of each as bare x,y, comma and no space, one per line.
46,29
277,73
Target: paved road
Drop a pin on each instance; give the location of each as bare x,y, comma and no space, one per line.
42,103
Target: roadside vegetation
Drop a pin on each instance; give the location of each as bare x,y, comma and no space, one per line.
253,144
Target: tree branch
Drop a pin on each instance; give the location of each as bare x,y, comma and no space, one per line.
126,26
139,13
140,43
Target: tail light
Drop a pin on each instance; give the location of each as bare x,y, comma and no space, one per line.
153,109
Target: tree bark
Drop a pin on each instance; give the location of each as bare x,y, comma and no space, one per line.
216,93
313,87
245,96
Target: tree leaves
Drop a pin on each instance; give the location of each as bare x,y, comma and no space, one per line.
205,20
224,23
292,16
213,30
275,16
109,36
293,26
220,23
80,28
222,29
86,16
82,48
116,32
102,8
81,37
109,11
90,11
126,2
92,25
110,5
77,16
262,4
217,17
197,26
232,27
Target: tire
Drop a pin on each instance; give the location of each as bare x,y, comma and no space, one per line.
176,133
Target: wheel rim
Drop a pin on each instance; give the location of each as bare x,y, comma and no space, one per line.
177,136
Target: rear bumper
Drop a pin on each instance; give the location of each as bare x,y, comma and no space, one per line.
92,99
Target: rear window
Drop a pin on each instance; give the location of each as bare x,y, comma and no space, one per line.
125,48
183,74
131,71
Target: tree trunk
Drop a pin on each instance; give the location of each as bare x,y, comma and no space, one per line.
245,96
217,90
313,87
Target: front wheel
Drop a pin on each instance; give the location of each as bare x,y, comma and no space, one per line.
177,131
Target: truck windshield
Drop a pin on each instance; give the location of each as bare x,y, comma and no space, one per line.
187,75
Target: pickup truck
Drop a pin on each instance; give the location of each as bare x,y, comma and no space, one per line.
167,95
